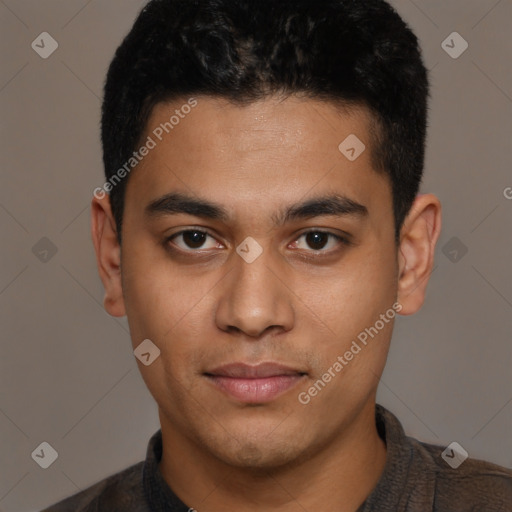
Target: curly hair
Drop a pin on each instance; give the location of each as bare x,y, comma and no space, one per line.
348,52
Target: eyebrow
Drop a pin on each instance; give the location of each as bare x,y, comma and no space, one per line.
335,205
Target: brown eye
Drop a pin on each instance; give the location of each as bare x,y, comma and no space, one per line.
318,241
193,239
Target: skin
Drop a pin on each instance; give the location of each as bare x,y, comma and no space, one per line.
297,304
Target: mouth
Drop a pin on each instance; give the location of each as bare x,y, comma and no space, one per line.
257,384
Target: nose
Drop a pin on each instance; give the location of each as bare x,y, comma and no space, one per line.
255,297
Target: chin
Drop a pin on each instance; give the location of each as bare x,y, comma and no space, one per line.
258,456
258,446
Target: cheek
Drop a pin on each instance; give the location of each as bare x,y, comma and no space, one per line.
152,303
163,303
354,294
160,304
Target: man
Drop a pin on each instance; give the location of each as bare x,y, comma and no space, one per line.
261,227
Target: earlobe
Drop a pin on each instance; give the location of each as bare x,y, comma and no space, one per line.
418,239
108,255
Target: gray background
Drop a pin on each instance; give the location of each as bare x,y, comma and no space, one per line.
67,371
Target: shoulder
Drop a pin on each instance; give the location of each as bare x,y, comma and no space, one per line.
474,485
122,491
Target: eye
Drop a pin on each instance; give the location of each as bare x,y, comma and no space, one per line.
320,240
192,239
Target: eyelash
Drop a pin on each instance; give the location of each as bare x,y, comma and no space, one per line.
344,241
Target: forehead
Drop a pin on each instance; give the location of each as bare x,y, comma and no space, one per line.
279,150
297,126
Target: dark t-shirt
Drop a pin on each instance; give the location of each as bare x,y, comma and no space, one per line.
416,478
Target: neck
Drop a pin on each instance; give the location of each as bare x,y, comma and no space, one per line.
339,477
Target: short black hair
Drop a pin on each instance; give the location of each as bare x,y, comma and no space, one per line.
351,52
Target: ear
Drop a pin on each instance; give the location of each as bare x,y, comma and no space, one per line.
418,238
108,254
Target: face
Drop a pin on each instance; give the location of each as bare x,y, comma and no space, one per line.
256,256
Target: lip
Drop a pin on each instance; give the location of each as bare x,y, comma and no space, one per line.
254,384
